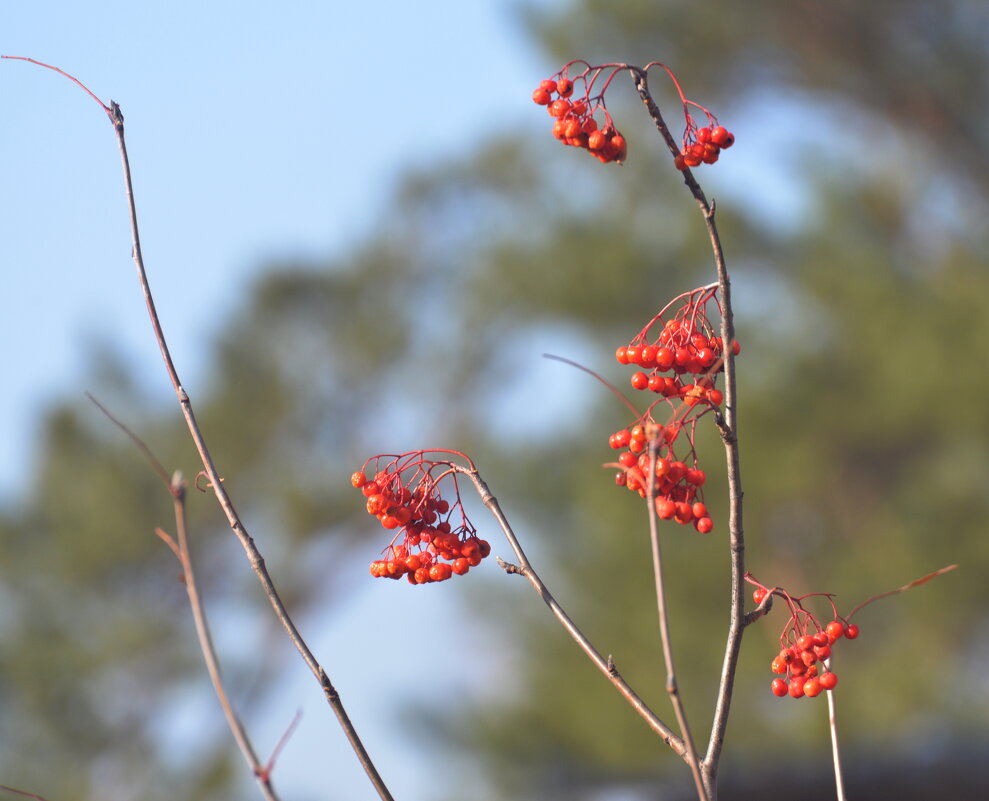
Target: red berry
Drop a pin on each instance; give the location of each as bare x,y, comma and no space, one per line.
640,380
665,508
812,687
621,355
721,137
829,681
564,87
559,108
358,479
851,631
541,97
695,476
596,140
705,525
759,596
440,572
834,630
779,688
796,688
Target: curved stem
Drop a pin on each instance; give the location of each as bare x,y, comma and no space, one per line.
250,549
606,666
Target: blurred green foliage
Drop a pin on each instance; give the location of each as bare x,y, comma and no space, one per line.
858,256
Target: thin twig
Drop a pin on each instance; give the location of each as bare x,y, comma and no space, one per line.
206,643
839,781
180,547
605,665
4,787
139,443
904,588
728,426
250,549
664,626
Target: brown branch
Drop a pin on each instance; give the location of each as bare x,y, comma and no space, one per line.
605,665
180,547
664,626
238,528
728,426
206,643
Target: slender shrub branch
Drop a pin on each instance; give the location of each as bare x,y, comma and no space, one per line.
253,554
605,665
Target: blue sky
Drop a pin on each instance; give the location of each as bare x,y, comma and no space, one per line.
254,135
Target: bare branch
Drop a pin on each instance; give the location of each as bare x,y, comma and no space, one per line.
664,626
605,665
253,554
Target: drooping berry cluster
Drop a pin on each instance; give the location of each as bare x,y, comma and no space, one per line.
686,344
703,145
679,343
802,665
434,540
575,123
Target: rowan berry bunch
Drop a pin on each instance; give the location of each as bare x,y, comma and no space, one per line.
575,121
679,341
434,539
573,102
802,665
703,145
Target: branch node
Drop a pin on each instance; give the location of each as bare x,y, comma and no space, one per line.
508,567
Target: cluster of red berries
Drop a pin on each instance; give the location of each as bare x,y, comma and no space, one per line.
685,345
427,547
801,666
677,487
575,123
704,146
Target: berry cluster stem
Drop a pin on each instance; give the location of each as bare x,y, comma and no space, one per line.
728,426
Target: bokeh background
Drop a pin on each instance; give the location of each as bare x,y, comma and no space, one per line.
362,237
